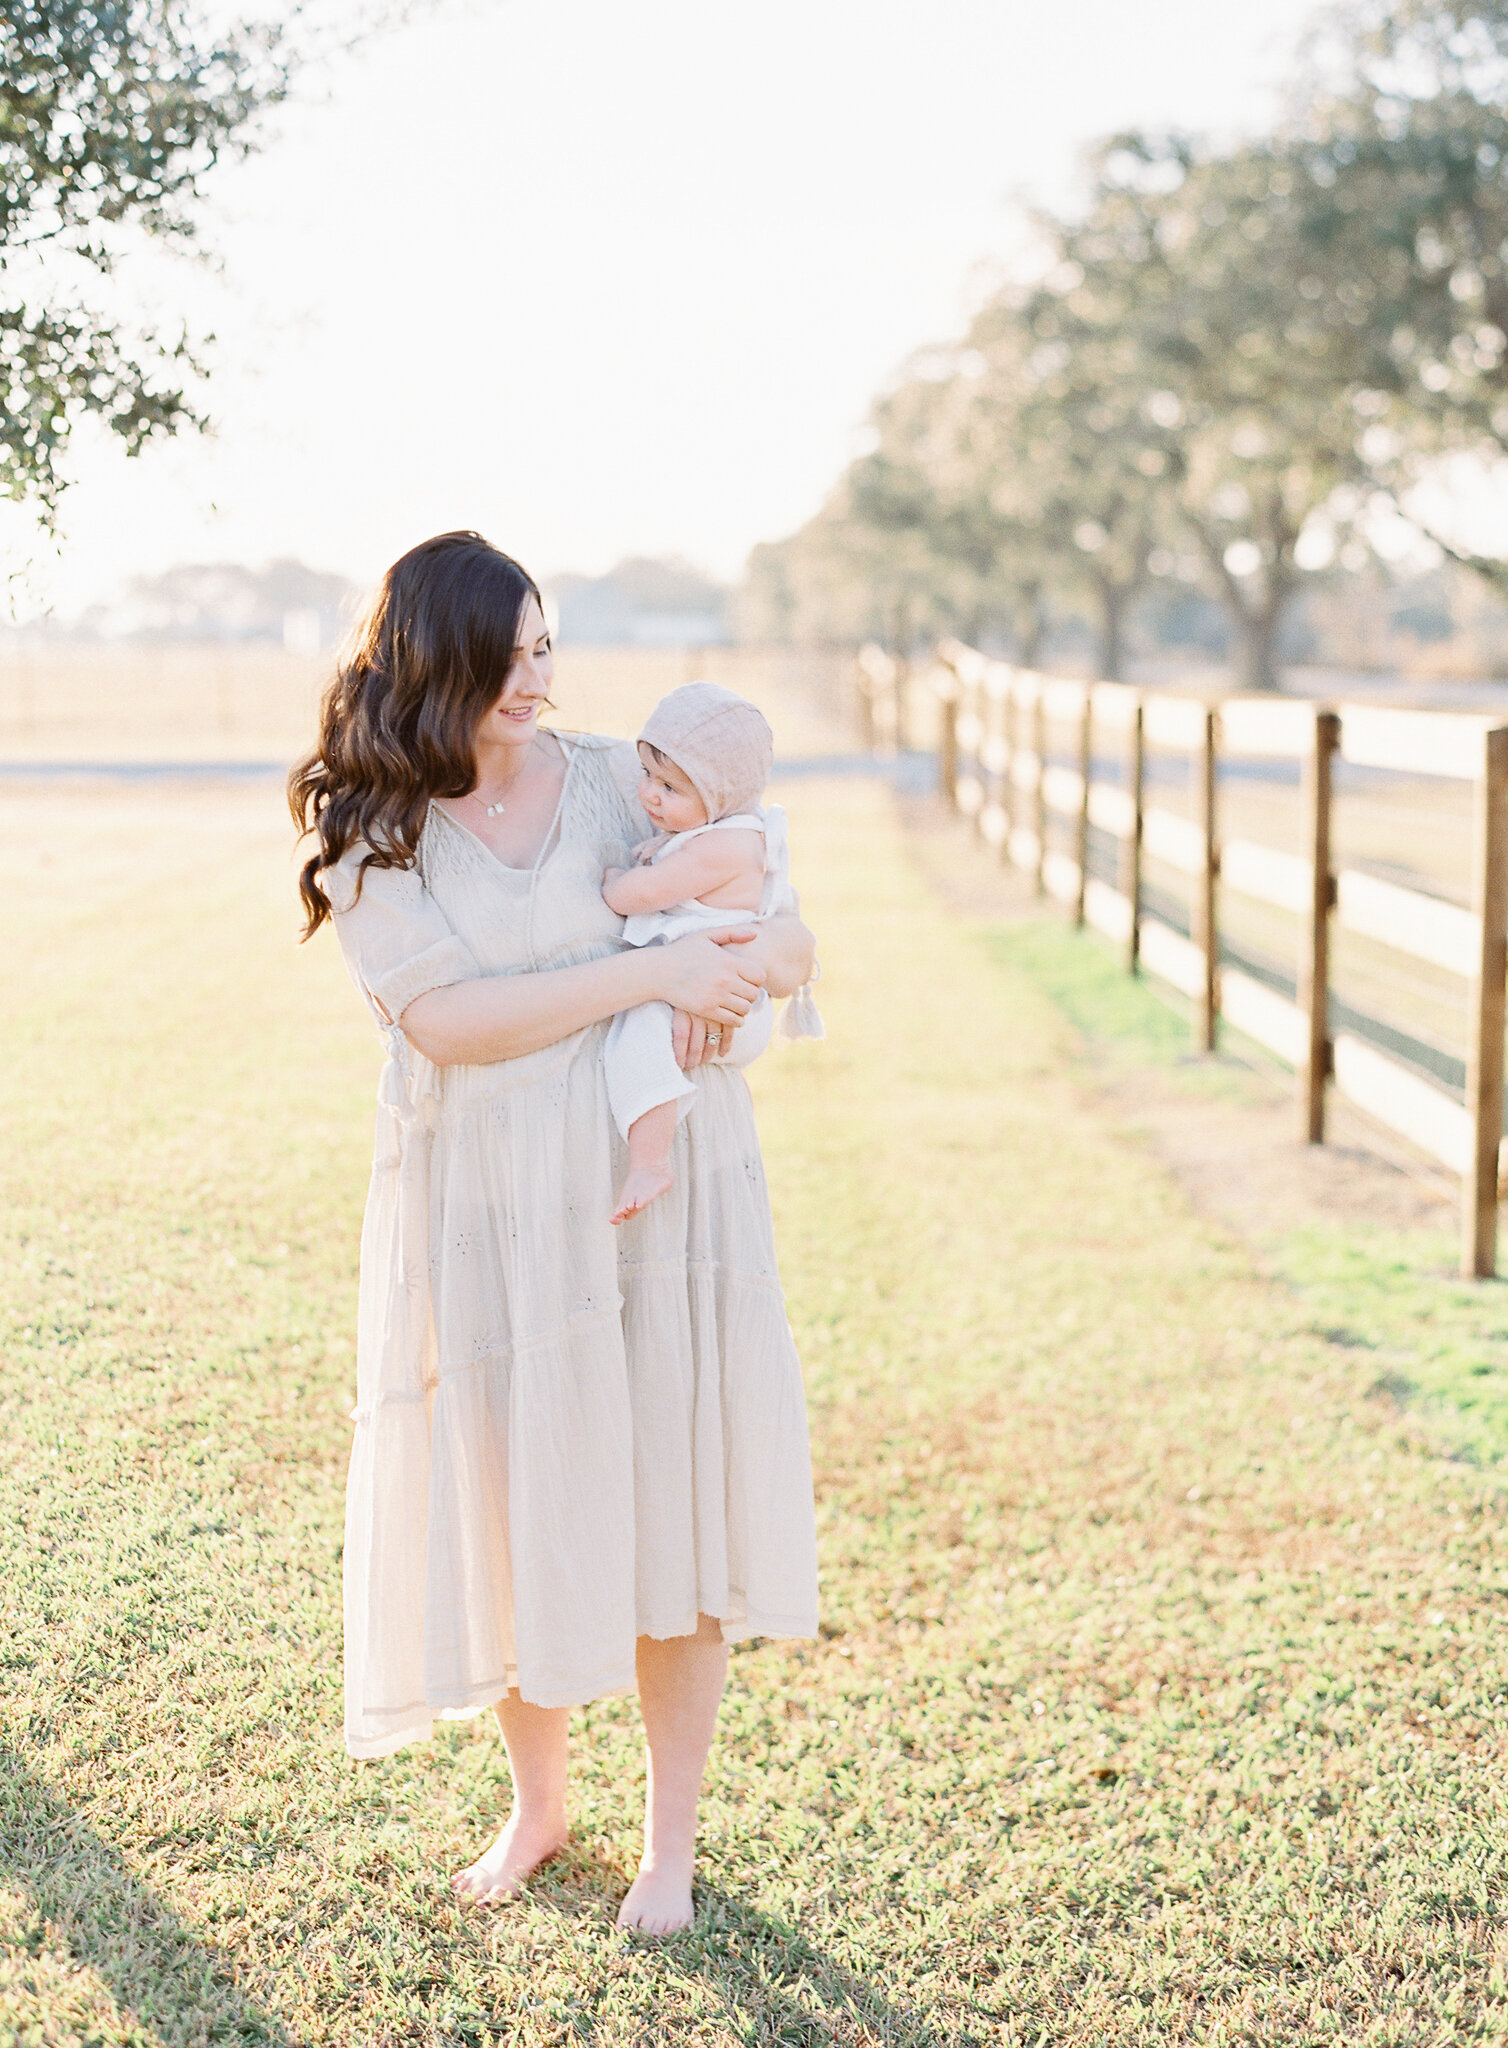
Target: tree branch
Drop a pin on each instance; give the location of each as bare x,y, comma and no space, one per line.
1487,567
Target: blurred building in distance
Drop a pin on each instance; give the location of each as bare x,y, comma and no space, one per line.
302,609
645,601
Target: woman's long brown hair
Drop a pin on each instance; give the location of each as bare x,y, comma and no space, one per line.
397,726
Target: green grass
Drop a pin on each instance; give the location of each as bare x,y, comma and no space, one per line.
1437,1345
1086,981
1161,1695
1122,1012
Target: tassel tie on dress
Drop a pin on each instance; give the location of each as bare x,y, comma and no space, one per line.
401,1089
800,1017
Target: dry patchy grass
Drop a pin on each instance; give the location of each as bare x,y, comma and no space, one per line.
1161,1693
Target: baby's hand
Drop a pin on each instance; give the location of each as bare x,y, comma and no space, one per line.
611,875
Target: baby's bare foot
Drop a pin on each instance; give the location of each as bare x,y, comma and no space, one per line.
641,1185
503,1869
659,1899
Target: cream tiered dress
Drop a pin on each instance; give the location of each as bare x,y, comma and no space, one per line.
567,1435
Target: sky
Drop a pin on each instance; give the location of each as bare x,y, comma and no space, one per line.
604,280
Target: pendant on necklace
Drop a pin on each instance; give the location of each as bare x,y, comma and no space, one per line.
496,810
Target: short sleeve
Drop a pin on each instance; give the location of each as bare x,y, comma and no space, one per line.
393,935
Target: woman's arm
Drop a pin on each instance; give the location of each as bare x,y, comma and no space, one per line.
500,1017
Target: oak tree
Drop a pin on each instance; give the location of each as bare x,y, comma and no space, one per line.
113,113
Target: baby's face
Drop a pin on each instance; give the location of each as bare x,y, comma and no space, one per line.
667,795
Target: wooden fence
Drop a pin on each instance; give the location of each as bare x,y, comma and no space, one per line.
991,721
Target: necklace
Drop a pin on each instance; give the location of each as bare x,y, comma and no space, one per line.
495,810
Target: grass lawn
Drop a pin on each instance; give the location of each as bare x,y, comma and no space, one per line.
1161,1696
1436,1343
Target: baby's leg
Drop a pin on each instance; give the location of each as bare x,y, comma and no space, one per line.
649,1170
649,1095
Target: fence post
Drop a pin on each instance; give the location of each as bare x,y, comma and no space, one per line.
1012,726
979,705
1039,794
947,742
1484,1070
1204,920
1314,962
1086,735
1131,852
899,700
1006,686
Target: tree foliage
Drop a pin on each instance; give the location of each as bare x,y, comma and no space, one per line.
1233,357
1201,291
1407,156
112,115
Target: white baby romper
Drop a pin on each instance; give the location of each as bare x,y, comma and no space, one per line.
640,1057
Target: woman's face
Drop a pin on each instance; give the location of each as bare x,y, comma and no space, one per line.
514,718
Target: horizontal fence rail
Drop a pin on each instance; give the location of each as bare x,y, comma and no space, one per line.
992,723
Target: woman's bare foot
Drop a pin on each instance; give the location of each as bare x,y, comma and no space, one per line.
659,1899
641,1186
502,1871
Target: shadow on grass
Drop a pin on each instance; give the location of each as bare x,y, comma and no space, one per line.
776,1984
780,1986
91,1909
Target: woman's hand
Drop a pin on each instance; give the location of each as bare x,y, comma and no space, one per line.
696,1042
787,952
710,976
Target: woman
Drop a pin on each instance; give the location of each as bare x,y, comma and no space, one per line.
580,1461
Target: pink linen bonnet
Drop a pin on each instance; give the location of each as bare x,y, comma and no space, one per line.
721,742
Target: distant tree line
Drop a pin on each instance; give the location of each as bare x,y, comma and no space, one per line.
645,600
1238,366
228,602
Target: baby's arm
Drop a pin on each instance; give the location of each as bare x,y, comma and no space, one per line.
719,867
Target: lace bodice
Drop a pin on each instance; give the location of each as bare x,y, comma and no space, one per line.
461,912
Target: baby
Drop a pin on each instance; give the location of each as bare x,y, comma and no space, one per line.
718,858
